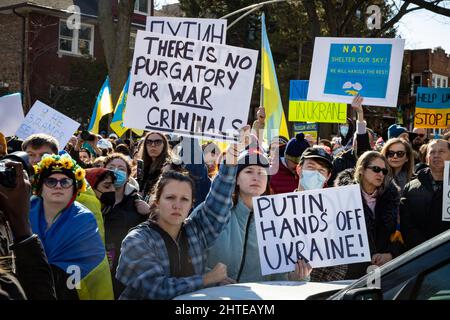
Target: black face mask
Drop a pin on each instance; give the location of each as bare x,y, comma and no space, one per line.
108,198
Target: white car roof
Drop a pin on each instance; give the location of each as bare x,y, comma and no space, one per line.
271,290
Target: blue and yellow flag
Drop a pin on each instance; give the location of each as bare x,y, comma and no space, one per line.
103,106
117,120
270,92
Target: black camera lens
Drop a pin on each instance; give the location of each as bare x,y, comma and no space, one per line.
7,174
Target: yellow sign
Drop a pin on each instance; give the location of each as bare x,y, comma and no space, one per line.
431,118
313,111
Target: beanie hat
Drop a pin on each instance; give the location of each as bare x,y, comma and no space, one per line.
295,148
95,175
3,145
395,130
63,164
252,157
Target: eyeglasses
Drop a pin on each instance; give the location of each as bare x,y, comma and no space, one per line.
377,169
391,154
65,183
421,135
156,143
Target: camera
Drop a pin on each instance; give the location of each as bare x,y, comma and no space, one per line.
87,136
8,175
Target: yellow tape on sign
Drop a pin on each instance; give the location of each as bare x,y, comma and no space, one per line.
312,111
431,118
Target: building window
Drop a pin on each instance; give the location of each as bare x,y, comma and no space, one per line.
132,40
444,83
141,6
76,41
416,82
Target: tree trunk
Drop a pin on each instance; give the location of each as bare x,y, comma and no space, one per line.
115,37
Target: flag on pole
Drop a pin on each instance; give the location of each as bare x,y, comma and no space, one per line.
270,92
117,120
103,106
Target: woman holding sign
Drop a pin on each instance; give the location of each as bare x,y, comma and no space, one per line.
237,245
166,256
380,197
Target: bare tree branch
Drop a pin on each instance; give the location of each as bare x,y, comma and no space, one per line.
431,6
350,15
311,11
330,14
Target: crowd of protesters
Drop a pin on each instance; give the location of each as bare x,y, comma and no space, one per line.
160,216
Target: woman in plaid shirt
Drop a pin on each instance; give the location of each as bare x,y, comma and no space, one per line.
166,257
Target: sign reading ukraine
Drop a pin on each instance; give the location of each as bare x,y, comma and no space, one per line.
432,108
345,67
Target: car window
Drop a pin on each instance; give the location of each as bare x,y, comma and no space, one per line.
435,285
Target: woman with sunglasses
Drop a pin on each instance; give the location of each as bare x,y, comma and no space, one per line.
68,231
400,157
380,197
154,152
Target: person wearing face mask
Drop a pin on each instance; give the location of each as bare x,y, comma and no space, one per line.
314,170
124,213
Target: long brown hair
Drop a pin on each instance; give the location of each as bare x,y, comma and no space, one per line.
407,166
151,166
163,180
364,161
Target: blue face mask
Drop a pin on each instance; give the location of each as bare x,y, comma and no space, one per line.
312,179
121,178
343,130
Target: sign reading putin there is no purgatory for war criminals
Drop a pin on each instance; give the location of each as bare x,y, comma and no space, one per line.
326,227
189,87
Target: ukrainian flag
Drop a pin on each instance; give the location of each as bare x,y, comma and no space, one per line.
103,106
270,92
117,120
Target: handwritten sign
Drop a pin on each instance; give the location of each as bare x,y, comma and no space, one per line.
312,111
344,67
44,119
325,226
189,87
446,193
432,108
11,114
209,30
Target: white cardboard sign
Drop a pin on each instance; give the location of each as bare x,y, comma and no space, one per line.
11,114
44,119
446,194
189,87
326,227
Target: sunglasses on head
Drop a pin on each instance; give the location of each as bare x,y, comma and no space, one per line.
391,154
65,183
377,169
156,142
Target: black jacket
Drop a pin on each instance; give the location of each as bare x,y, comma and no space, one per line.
33,279
380,225
421,210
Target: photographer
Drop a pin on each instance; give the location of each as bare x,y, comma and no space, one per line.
32,277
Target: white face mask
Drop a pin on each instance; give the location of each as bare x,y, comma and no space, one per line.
343,130
312,179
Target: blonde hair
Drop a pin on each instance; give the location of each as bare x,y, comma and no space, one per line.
407,166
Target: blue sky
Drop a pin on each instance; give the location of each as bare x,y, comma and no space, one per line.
421,29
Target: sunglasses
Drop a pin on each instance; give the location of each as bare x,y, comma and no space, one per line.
377,169
391,154
65,183
156,142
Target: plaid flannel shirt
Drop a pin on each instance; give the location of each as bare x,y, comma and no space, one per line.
144,266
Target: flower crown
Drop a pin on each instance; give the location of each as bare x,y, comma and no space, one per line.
57,163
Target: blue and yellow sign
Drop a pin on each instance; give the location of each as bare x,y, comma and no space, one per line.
358,69
432,108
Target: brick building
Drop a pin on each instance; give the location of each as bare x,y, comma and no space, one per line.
45,59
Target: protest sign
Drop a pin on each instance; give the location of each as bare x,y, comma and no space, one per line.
11,114
312,111
309,130
432,108
44,119
189,87
209,30
325,227
446,193
344,67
